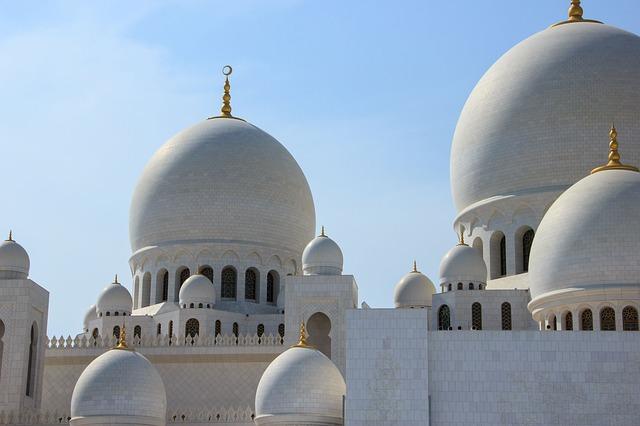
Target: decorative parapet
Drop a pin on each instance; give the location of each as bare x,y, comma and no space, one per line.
84,342
32,417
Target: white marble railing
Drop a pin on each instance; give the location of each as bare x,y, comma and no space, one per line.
32,417
83,342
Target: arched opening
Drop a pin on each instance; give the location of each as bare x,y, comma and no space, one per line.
449,287
586,320
31,367
170,332
553,324
229,279
260,332
273,284
568,321
477,244
235,331
1,347
192,328
95,334
607,319
470,286
146,290
162,286
116,332
136,292
207,271
476,316
318,327
527,241
251,284
498,255
444,318
181,276
218,328
281,332
159,329
459,286
506,316
137,331
629,319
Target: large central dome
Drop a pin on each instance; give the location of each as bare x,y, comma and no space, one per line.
534,122
222,180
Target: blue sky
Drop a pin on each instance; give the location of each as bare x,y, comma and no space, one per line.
365,95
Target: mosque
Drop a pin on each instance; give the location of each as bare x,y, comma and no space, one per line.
237,314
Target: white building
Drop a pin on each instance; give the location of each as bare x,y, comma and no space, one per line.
533,325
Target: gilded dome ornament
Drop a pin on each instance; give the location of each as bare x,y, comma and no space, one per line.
575,15
302,342
122,341
614,156
10,236
415,267
225,110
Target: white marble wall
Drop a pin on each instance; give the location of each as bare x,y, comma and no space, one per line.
387,367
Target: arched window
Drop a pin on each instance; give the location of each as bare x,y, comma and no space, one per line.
506,316
444,318
116,313
235,331
319,327
1,346
137,331
162,286
449,287
199,305
145,300
459,286
136,292
191,306
108,313
116,332
477,244
607,319
586,320
476,316
503,256
480,287
159,329
273,282
207,271
31,367
95,334
250,284
229,279
184,274
568,321
192,327
260,330
281,330
527,240
553,324
218,328
170,331
629,319
470,286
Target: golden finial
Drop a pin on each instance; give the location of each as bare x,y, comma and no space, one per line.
614,156
415,267
461,237
115,280
226,98
575,14
302,342
122,342
10,236
322,234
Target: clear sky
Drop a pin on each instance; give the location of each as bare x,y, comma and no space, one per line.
364,94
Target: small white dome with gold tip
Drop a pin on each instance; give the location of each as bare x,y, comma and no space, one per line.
322,256
414,290
463,264
14,260
114,299
301,386
197,290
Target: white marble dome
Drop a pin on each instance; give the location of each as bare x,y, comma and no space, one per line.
300,386
119,387
588,240
197,289
14,260
89,316
414,290
322,256
222,181
534,122
114,298
463,264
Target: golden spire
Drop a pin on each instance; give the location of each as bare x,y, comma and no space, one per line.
122,342
10,236
575,14
461,237
415,267
614,156
115,280
226,98
322,234
302,342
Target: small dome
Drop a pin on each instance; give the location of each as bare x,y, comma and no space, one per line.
89,316
197,289
322,256
414,290
119,387
587,242
114,298
14,260
463,263
301,386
